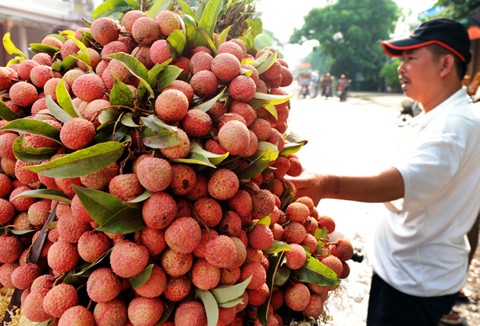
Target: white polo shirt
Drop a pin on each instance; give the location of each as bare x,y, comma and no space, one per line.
422,249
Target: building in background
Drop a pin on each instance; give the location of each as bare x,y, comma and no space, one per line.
29,20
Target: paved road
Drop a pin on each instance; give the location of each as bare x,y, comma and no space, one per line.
355,137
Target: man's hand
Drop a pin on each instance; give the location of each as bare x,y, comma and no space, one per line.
308,184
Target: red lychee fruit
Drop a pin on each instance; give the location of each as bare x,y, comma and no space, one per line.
128,259
296,256
155,285
181,150
296,167
104,30
10,248
258,296
205,276
234,137
24,69
153,240
190,313
23,94
294,232
76,315
204,83
342,249
125,186
88,87
159,210
130,17
92,244
113,312
260,237
232,47
7,211
263,203
168,21
145,31
226,67
241,203
199,61
103,285
59,299
24,275
145,311
221,251
297,212
171,106
197,123
177,288
176,263
62,256
334,264
256,271
101,178
297,296
183,235
154,174
223,184
327,222
242,88
77,133
159,51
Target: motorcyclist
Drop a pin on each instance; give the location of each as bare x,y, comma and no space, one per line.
326,84
342,87
304,81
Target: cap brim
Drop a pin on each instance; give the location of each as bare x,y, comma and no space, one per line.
394,48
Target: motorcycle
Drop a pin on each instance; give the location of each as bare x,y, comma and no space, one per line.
342,93
327,91
304,91
410,110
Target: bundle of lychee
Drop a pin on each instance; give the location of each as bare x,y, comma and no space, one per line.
142,177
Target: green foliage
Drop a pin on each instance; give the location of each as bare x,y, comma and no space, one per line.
389,72
350,33
459,10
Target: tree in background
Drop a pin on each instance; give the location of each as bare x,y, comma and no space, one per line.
350,32
460,9
389,72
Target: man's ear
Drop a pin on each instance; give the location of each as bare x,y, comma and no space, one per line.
447,64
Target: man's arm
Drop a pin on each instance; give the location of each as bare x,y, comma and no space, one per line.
386,186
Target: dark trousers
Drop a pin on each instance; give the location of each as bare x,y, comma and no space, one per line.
390,307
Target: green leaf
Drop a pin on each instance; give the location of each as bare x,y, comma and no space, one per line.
158,126
202,157
142,277
121,94
267,63
125,221
211,306
275,261
88,267
277,246
158,5
6,113
177,40
99,204
59,113
225,293
159,140
127,120
107,116
167,76
291,148
316,272
282,276
16,60
210,16
231,303
10,47
146,194
45,193
265,220
31,126
31,154
208,104
111,7
186,8
81,162
268,153
64,99
223,35
135,67
191,31
43,48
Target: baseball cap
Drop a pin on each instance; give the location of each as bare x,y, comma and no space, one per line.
442,31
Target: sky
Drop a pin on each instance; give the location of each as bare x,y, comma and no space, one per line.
284,20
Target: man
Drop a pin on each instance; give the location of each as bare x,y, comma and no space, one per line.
420,250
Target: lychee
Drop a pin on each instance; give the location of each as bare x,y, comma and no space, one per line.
76,315
89,87
77,133
104,30
234,137
92,244
171,106
23,94
260,237
342,249
176,263
242,88
128,259
62,256
296,256
168,21
110,313
334,264
183,235
154,174
226,67
159,210
125,186
24,275
181,150
10,248
223,184
221,252
103,285
297,296
197,123
145,311
145,31
130,17
177,288
59,299
204,83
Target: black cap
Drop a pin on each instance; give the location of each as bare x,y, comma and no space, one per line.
442,31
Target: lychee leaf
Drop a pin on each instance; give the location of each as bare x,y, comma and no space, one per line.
146,194
84,55
121,94
222,37
205,106
316,272
267,63
7,114
142,277
87,267
158,126
202,157
21,232
52,194
81,162
177,40
15,60
167,76
231,303
10,47
59,113
186,8
211,306
127,120
276,247
266,153
125,221
107,116
282,276
31,126
158,6
43,48
99,204
112,7
64,99
226,293
290,149
31,154
210,15
321,233
275,261
191,32
265,220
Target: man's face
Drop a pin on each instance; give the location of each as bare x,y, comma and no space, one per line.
418,73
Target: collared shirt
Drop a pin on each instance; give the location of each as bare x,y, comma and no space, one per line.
421,249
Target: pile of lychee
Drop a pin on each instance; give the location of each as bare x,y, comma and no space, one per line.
141,185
